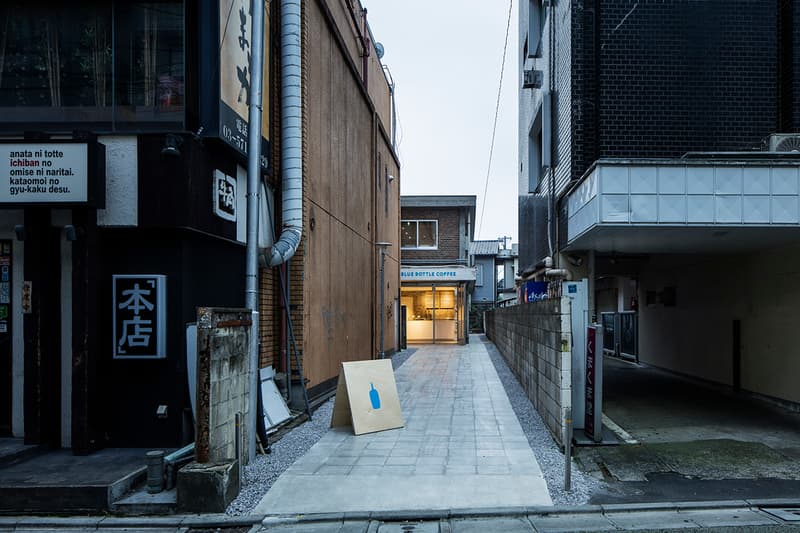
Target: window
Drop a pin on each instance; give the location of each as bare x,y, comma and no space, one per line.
479,275
419,234
535,28
539,145
99,63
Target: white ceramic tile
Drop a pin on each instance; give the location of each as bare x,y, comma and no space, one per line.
643,180
672,180
784,180
700,180
613,180
644,208
672,208
756,209
728,209
756,180
784,209
728,180
615,208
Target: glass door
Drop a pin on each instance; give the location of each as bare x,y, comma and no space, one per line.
445,314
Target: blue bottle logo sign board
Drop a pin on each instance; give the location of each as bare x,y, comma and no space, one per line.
374,397
366,397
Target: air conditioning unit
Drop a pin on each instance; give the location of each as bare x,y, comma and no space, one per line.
784,142
532,79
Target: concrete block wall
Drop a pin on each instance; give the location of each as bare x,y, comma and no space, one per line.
534,339
223,368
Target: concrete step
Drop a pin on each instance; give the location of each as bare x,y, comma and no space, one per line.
140,502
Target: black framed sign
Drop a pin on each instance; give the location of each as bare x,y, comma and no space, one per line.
139,316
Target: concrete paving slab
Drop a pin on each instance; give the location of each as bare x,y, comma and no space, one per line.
437,461
728,517
651,520
409,527
567,523
506,525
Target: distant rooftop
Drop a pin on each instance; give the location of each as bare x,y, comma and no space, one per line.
484,247
438,201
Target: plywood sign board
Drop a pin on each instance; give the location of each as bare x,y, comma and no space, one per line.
366,397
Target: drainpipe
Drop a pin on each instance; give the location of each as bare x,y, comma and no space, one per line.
291,136
253,201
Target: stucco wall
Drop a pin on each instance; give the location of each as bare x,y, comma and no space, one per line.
695,336
534,339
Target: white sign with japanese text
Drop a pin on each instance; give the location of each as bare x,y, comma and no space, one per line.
44,173
140,316
224,196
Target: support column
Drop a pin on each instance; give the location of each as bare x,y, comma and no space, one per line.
85,273
42,330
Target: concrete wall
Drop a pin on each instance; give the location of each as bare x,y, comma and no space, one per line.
223,370
534,339
695,336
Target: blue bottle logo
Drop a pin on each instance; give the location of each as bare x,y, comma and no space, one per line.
374,397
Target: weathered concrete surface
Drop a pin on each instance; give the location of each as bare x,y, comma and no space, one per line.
696,441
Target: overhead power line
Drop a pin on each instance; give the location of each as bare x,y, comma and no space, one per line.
496,114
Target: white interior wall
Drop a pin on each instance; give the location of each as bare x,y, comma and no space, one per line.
695,337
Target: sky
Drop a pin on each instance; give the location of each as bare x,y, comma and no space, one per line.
445,58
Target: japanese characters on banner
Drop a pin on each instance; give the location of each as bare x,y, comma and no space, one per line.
235,30
5,287
139,316
44,173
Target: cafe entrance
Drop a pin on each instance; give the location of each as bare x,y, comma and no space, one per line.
434,313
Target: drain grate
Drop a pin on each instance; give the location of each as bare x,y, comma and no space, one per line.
787,514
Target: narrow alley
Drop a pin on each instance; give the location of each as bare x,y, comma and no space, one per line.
462,446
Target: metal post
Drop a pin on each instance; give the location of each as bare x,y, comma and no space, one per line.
568,450
253,179
383,246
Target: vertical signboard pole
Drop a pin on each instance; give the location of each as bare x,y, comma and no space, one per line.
593,412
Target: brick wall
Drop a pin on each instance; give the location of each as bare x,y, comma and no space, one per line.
534,339
448,232
687,76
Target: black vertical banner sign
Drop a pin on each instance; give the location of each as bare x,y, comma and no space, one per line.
591,383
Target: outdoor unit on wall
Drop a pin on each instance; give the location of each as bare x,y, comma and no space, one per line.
532,79
784,142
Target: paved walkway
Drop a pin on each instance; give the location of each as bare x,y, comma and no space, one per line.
462,447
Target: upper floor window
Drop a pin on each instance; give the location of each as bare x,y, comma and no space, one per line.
419,234
98,64
535,28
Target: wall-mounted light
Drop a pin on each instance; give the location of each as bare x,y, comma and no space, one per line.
19,231
172,145
391,178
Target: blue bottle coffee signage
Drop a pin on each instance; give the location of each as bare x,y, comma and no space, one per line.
139,316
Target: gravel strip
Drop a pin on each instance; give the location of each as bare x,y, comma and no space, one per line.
547,451
262,473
